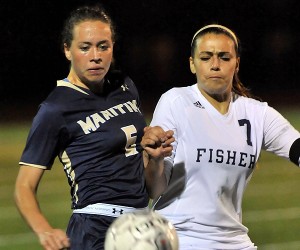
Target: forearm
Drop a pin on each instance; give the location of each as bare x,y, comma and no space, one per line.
156,180
28,207
157,145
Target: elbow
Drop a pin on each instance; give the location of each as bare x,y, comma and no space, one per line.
294,153
17,195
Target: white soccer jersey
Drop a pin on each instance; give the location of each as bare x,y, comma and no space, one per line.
219,153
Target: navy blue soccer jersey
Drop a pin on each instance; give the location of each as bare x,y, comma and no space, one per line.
97,139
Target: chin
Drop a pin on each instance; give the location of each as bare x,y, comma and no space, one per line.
95,80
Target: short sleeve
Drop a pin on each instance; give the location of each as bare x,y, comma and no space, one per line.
43,141
279,134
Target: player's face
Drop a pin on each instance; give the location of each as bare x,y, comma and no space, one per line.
214,64
90,53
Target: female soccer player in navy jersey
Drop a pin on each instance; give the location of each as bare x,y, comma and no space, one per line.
92,121
219,132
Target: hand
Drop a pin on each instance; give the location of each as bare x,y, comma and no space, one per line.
157,142
55,239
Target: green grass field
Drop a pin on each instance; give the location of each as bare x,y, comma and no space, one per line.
271,208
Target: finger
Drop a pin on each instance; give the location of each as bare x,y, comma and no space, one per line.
62,243
155,152
47,241
150,143
170,133
62,239
168,142
55,240
152,139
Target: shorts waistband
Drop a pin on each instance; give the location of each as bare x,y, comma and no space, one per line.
106,209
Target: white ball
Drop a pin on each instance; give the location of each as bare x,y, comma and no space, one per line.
141,230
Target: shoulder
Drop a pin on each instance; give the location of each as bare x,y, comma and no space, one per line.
179,93
255,109
64,92
48,113
56,101
130,83
250,103
117,80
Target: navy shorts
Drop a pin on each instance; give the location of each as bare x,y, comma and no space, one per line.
87,231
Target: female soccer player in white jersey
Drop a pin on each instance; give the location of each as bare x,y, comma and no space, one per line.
219,132
93,123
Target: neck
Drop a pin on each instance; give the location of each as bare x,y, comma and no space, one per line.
219,102
96,88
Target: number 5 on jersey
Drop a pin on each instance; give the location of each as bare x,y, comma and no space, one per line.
130,132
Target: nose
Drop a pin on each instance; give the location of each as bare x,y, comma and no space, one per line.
96,55
215,65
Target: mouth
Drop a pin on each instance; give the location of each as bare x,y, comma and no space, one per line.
215,77
96,71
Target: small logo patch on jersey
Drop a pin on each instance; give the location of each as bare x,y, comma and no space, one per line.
124,87
198,105
121,211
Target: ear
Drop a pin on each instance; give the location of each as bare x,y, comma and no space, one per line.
237,65
67,52
192,65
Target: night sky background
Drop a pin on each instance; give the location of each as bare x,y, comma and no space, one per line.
153,47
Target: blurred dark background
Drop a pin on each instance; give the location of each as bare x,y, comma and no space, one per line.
153,47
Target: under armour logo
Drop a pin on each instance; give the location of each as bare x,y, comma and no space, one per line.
117,211
198,105
124,87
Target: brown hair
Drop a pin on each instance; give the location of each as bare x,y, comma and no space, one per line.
96,12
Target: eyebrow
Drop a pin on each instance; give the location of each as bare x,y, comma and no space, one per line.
100,42
221,53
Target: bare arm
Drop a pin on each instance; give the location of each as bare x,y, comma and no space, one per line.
25,197
157,145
